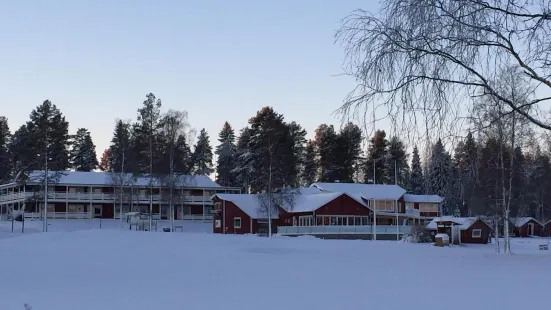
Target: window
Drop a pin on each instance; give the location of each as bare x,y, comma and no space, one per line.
477,233
218,223
236,222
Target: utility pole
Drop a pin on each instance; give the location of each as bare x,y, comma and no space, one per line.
45,229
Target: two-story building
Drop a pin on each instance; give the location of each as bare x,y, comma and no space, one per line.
75,195
330,210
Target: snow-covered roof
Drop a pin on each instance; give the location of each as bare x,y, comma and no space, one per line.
547,223
106,178
250,204
520,221
309,203
367,191
463,222
422,198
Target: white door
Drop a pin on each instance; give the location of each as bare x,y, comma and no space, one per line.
530,229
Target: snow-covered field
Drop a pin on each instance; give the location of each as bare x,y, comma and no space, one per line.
79,266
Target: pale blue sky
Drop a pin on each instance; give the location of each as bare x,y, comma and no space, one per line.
219,60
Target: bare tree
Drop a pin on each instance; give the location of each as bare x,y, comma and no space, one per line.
505,125
426,58
271,201
175,125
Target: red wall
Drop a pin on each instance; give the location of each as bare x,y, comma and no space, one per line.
231,211
343,205
523,230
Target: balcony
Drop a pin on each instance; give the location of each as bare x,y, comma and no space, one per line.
97,197
342,230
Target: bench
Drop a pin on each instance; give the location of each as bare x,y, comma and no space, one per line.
544,247
179,228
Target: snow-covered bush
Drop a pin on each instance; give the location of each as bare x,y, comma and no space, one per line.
418,234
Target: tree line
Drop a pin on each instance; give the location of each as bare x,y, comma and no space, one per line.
270,154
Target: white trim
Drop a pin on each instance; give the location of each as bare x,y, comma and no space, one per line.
240,223
476,233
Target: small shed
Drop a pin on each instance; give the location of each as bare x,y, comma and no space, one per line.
526,227
462,229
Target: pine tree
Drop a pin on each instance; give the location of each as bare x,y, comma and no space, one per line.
377,157
83,151
18,148
346,152
48,131
326,143
6,165
416,180
271,148
296,157
310,171
226,157
202,155
396,162
182,154
104,161
146,134
120,149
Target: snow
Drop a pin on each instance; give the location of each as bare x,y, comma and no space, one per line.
367,191
104,178
309,203
111,269
463,222
422,198
520,221
250,204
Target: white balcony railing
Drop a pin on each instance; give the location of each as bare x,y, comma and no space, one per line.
335,230
413,212
15,197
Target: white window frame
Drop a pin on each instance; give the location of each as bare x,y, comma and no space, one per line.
234,219
478,231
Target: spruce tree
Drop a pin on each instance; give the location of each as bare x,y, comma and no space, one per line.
6,165
441,176
244,165
310,171
416,180
202,155
83,151
226,157
396,162
146,134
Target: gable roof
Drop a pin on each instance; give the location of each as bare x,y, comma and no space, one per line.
464,223
250,204
366,191
546,223
310,203
106,178
521,221
422,198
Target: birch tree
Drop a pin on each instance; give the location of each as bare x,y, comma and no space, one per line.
175,125
423,60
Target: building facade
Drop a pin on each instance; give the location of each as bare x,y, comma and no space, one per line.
85,195
329,210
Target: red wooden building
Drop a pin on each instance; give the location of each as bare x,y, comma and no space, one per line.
245,214
547,229
526,227
241,214
462,229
